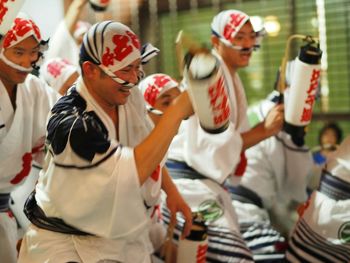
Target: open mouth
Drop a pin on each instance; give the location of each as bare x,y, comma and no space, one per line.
125,90
246,55
246,51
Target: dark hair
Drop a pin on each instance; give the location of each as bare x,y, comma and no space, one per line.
331,126
84,56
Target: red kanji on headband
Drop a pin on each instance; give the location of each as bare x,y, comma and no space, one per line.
152,91
234,23
124,45
22,29
151,94
153,86
161,80
55,68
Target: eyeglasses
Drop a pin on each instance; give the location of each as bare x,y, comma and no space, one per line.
258,37
239,48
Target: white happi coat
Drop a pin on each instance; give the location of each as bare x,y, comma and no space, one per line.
322,232
63,45
215,156
95,191
22,133
22,130
277,170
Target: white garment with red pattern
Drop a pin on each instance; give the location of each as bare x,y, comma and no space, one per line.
22,129
322,231
22,132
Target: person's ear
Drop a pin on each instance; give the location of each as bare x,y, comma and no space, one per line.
90,70
215,41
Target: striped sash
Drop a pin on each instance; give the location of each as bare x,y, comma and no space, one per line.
267,244
334,187
244,195
180,170
306,245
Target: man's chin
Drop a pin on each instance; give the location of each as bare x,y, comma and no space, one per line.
244,64
21,77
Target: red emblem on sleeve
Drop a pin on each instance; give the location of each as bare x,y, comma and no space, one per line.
242,165
156,173
301,209
26,165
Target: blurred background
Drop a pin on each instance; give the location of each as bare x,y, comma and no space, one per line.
159,21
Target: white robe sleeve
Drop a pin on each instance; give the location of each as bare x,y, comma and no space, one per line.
63,45
277,169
